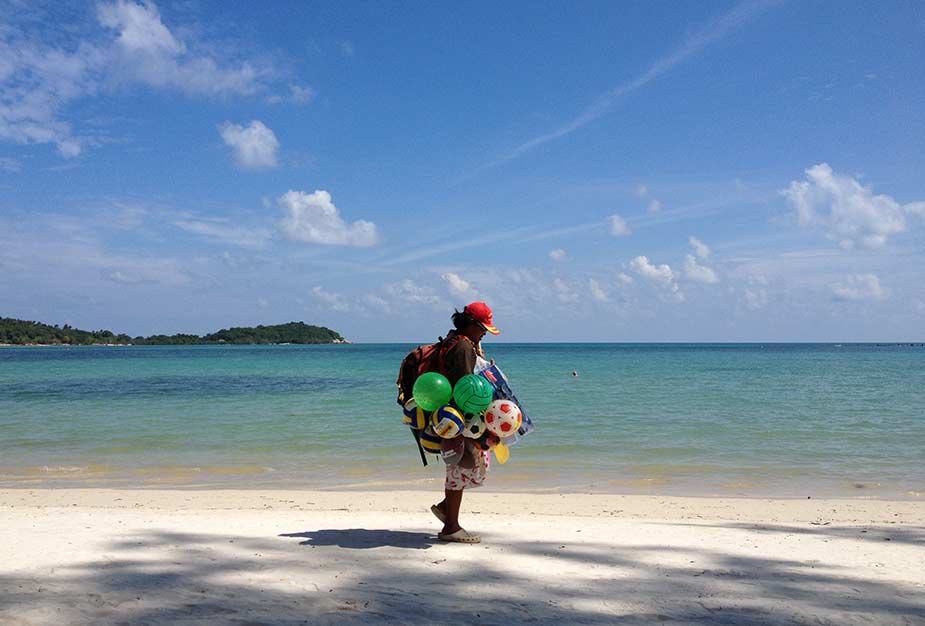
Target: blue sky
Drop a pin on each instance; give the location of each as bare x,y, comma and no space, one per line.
651,171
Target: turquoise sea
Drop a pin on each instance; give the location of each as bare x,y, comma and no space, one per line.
733,419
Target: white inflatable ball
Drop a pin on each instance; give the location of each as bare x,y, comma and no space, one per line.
503,418
475,427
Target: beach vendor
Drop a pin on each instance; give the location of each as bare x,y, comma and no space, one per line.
466,464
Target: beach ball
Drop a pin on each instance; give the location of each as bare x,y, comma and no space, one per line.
415,416
447,421
431,391
429,441
503,417
472,393
475,427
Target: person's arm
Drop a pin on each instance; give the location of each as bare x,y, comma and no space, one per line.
458,361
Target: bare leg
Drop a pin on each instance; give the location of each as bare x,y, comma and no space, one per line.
450,505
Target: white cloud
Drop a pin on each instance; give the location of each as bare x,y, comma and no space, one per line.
67,253
699,247
9,165
459,286
596,292
642,191
125,279
313,218
618,227
654,206
625,279
642,266
146,51
378,303
410,292
849,212
140,28
347,49
860,287
915,208
69,148
221,231
262,303
39,79
756,298
298,94
254,146
661,274
35,83
699,273
558,255
564,292
334,301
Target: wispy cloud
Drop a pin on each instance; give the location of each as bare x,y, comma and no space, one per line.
298,94
9,165
459,286
618,227
860,287
333,301
221,231
697,272
558,255
129,44
697,41
596,291
510,237
701,249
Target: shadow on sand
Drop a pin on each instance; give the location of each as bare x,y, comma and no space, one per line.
361,577
361,538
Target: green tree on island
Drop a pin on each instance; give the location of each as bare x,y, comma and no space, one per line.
22,332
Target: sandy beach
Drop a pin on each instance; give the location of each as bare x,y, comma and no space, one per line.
319,557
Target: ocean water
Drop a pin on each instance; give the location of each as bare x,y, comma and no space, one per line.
730,419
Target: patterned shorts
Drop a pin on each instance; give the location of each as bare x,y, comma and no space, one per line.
458,478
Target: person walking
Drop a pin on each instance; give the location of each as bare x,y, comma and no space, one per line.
466,464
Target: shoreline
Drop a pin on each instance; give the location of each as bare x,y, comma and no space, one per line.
369,477
412,501
108,557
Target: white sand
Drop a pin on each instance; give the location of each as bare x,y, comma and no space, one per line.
259,557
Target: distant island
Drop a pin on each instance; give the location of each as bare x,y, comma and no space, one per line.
23,333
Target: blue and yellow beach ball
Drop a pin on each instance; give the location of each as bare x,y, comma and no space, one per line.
415,416
429,441
447,421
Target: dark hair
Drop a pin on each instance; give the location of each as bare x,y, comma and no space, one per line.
461,320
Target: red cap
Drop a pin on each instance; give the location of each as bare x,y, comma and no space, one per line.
481,313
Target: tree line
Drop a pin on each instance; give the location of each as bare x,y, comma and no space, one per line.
22,332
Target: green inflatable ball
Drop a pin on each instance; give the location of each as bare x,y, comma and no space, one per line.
472,394
431,391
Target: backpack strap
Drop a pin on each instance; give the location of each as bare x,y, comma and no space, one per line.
452,338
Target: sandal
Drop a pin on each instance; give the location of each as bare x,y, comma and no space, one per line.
438,513
460,536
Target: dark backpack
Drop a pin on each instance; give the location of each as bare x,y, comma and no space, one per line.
423,359
419,361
